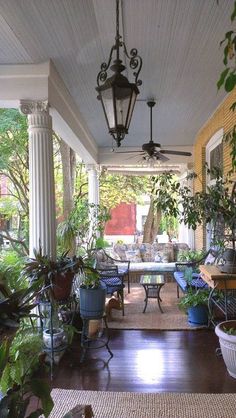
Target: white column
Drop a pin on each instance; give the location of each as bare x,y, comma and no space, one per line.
185,234
93,184
42,213
93,194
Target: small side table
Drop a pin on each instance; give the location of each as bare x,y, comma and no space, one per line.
94,342
152,285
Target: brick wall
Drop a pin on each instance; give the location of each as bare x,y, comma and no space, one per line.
222,118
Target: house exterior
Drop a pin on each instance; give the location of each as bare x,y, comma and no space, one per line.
207,140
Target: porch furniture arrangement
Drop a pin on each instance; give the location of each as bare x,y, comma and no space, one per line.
223,292
99,340
185,276
156,258
152,285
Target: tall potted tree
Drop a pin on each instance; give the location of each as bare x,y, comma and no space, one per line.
215,206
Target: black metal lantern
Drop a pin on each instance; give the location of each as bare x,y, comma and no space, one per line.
117,94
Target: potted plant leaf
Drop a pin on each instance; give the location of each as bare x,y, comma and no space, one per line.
20,356
57,274
226,331
216,207
20,360
195,304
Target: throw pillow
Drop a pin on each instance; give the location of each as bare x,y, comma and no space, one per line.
146,252
133,255
210,259
161,257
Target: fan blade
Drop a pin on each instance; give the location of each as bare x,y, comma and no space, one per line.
184,153
125,152
160,157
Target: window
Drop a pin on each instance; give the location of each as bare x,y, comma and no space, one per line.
214,158
214,153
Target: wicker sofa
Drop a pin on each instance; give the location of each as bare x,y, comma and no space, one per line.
148,258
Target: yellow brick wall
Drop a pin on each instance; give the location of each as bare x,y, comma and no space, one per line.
222,118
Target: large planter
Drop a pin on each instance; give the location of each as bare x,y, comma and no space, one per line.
198,315
62,285
228,345
92,302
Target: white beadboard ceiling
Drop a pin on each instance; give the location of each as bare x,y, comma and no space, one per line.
178,41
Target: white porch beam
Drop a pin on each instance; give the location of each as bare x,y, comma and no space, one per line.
40,82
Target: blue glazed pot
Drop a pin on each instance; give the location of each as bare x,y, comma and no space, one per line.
198,315
92,302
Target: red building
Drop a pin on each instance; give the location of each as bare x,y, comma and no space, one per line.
123,220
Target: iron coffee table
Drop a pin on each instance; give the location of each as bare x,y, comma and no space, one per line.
152,284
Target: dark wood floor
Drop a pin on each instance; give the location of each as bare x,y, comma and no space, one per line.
148,361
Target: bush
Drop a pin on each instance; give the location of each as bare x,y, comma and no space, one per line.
11,265
190,255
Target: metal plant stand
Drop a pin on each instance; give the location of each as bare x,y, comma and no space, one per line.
94,342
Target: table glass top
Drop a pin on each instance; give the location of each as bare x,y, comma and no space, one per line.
152,279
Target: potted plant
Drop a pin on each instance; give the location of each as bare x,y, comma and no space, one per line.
226,331
92,295
195,304
214,206
20,356
57,274
20,360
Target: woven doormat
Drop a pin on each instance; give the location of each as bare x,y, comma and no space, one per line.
146,405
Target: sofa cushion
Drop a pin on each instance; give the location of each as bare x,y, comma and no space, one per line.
152,266
146,252
163,251
133,255
121,249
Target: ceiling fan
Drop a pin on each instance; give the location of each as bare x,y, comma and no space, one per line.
152,150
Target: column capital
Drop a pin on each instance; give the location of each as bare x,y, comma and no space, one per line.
28,107
93,167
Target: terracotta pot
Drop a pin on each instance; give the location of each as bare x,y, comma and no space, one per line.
62,285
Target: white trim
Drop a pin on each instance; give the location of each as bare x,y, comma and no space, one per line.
215,140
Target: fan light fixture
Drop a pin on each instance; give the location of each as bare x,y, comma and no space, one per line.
117,94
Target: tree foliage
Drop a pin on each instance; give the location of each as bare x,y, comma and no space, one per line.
227,80
14,163
115,189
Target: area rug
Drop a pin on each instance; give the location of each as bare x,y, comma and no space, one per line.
172,317
146,405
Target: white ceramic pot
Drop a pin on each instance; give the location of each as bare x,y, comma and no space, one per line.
59,337
227,345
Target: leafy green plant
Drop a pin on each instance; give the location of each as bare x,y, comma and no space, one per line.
11,265
90,279
227,80
229,331
190,255
18,363
214,205
17,305
78,225
42,266
194,298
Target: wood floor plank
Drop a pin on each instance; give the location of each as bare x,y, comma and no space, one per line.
148,361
